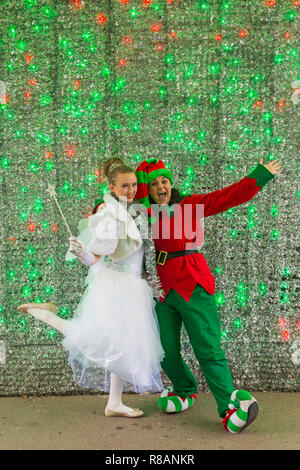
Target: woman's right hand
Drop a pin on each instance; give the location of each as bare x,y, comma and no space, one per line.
76,247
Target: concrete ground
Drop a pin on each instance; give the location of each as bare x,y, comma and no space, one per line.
78,423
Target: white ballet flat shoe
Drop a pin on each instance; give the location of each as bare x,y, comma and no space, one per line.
42,306
134,413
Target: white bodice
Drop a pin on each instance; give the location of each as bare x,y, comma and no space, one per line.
132,264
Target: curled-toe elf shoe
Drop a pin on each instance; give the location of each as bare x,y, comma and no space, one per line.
42,306
134,413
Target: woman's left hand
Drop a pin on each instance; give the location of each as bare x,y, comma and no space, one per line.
273,166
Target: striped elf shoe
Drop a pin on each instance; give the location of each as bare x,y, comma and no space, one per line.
169,402
238,419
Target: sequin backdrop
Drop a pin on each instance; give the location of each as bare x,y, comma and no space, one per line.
207,86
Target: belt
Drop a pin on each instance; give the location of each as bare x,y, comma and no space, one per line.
163,256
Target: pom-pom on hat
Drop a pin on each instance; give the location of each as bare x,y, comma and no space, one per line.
146,172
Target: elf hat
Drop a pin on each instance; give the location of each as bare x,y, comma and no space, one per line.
146,172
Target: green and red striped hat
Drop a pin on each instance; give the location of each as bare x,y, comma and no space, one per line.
146,172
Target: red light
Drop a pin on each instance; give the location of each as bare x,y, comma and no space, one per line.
219,37
27,95
5,99
270,3
122,62
296,3
146,3
281,321
31,226
159,47
77,4
101,19
70,151
12,239
33,82
77,84
127,40
173,34
28,57
99,174
281,103
156,27
55,227
48,154
258,104
285,335
243,33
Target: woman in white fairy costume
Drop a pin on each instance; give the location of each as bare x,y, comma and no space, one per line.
114,328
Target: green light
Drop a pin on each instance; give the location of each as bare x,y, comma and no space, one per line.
275,235
170,76
214,100
267,117
286,272
203,5
169,59
279,58
48,12
215,69
21,46
12,31
26,291
65,312
29,3
11,274
134,13
31,250
129,108
220,298
49,290
23,216
38,206
105,72
237,324
262,288
45,100
201,136
34,275
49,166
274,211
224,334
34,167
284,298
5,163
202,160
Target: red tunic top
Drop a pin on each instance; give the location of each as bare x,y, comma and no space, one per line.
183,273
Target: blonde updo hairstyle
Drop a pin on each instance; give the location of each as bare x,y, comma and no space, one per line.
114,166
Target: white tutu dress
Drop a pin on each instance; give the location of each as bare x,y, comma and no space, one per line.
115,328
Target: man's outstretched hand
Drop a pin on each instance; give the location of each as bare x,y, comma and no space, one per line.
273,166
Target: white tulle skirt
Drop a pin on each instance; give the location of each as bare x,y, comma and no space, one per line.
115,329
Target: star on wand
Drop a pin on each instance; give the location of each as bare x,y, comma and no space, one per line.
51,191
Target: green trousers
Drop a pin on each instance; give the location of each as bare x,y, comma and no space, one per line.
202,323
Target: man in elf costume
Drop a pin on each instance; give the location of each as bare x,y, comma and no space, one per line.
189,288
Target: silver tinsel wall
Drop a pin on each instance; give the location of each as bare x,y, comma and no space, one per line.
210,87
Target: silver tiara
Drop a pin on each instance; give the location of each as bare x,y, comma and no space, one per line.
114,166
